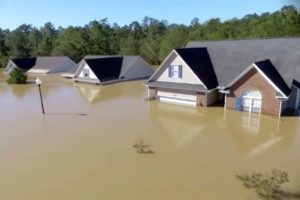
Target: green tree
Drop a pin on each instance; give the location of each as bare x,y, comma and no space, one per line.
48,35
150,45
72,42
18,41
174,38
16,77
4,50
130,44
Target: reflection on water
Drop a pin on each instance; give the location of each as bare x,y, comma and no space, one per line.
94,94
198,151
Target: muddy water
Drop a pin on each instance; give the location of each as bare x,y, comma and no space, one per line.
82,147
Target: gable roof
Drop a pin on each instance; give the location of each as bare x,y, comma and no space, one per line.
199,61
24,63
271,72
110,68
232,57
107,68
49,62
43,63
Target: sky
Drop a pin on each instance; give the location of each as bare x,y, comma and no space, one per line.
80,12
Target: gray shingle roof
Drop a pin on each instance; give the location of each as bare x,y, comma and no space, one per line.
231,57
117,67
51,62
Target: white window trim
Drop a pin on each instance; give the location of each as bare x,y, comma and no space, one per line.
173,67
251,99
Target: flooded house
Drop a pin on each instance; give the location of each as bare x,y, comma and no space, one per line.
41,64
260,76
112,69
187,77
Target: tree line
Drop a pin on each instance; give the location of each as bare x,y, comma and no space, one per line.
152,39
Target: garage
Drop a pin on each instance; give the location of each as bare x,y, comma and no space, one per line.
177,98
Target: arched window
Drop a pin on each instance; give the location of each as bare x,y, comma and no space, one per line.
252,101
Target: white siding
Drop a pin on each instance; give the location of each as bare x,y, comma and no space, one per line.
10,65
188,76
91,73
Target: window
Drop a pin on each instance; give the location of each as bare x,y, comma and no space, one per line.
252,101
86,73
175,71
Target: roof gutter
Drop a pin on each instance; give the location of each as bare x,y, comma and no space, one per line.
223,90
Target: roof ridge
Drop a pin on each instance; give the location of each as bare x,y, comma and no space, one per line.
246,39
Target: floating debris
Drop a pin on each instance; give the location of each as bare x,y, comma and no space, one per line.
141,147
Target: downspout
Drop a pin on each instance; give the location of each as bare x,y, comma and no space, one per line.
225,101
280,107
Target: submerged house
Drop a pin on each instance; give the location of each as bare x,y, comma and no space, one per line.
71,72
261,75
53,64
187,77
111,69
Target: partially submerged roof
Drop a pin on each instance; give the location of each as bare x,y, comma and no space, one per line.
232,57
51,62
46,63
111,68
24,63
106,69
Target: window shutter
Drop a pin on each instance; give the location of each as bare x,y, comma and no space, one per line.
180,71
170,71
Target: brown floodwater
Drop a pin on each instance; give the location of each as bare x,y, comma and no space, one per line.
82,148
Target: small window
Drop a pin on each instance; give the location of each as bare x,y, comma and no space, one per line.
175,71
86,73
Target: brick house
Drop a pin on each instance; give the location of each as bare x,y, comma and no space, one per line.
261,75
186,77
259,88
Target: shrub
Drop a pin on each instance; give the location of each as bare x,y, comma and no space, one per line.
266,187
16,77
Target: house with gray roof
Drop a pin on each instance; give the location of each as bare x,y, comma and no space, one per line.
111,69
261,75
186,77
41,64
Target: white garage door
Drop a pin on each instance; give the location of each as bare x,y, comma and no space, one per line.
170,97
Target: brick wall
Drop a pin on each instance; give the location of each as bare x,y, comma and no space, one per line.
201,99
152,93
253,80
